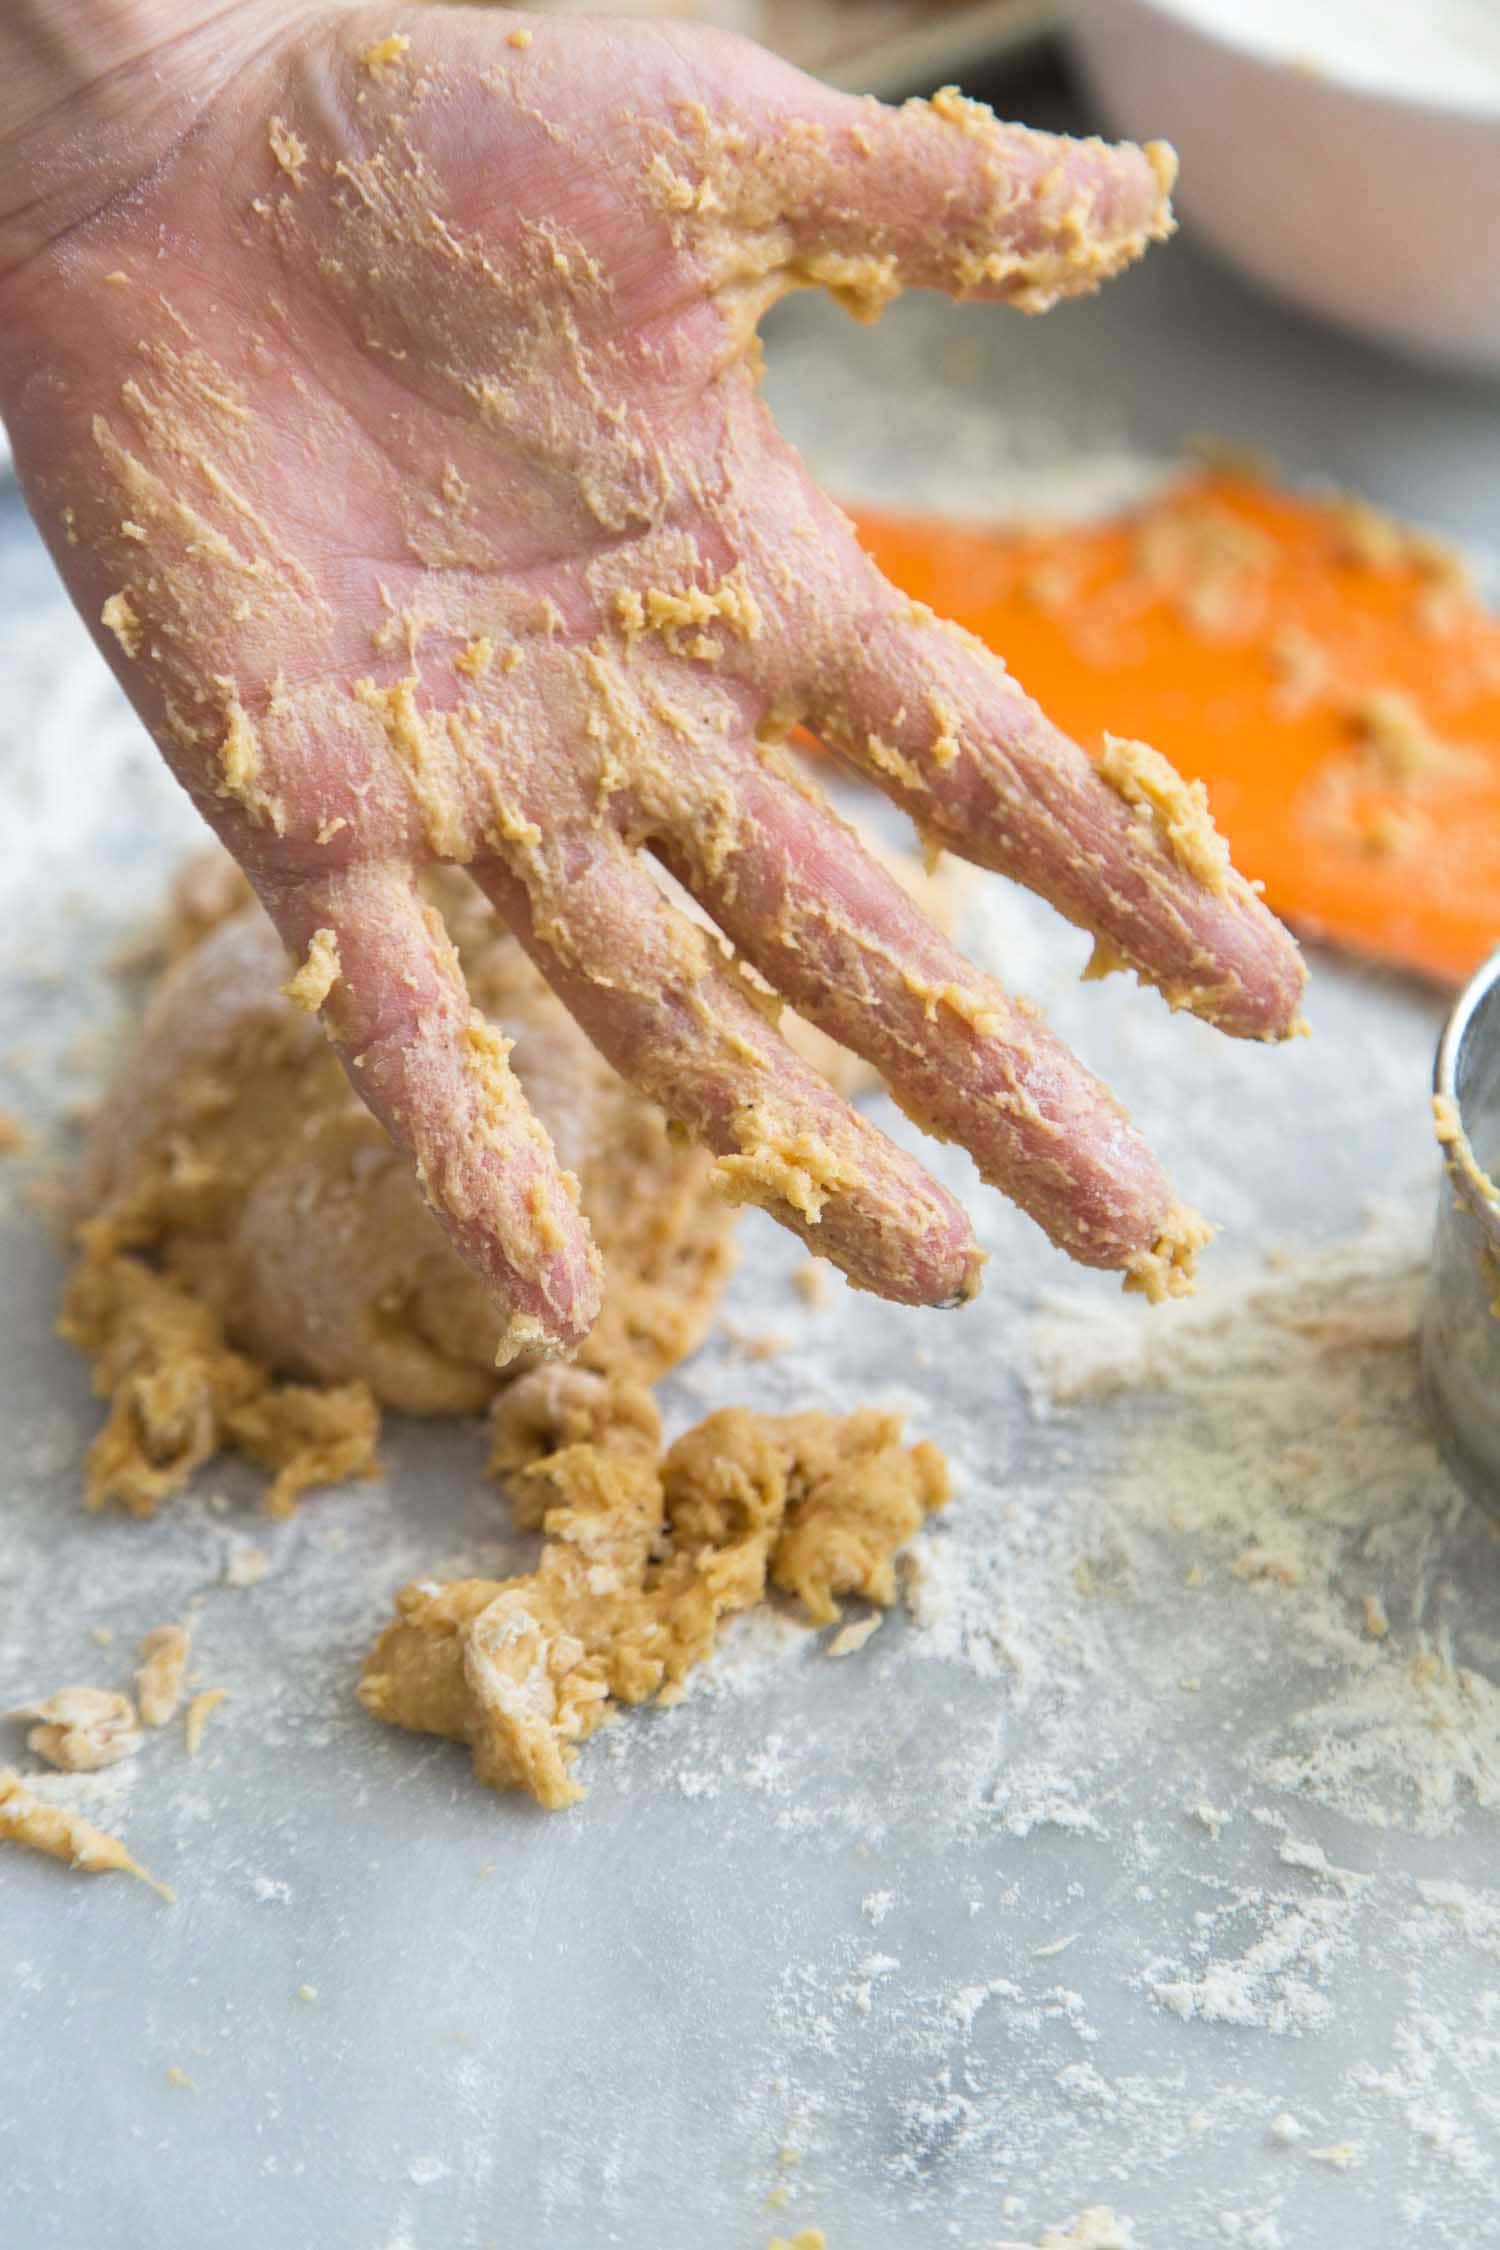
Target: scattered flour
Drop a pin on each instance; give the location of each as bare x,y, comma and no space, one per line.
1283,1417
1276,1984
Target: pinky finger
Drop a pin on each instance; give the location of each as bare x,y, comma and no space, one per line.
381,969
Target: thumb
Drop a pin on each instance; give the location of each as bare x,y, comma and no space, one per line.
866,200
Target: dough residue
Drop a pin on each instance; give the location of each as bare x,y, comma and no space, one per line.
1463,1166
310,985
1155,789
645,1554
198,1714
82,1729
158,1683
28,1819
1169,1268
731,603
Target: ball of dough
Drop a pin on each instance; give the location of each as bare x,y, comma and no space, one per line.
231,1151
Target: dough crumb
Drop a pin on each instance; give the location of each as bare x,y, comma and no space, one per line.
289,151
197,1716
246,1566
119,618
1105,960
1300,665
518,39
381,54
1097,2228
158,1683
176,2076
1473,1183
82,1729
806,2238
29,1820
1210,563
1371,540
1343,2156
754,1343
1170,1267
1377,1624
1264,1565
1446,1122
1399,746
319,973
646,1554
811,1281
853,1637
14,1137
1178,808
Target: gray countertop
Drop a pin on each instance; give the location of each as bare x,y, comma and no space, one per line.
1054,1896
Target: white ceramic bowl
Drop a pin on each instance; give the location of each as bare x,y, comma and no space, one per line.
1360,192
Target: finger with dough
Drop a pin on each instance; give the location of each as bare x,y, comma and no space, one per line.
379,965
660,1000
1126,849
827,926
798,184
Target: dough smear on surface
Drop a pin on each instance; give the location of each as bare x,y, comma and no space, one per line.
28,1819
158,1683
82,1729
198,1714
257,1270
645,1553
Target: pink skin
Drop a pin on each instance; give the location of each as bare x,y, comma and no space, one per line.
486,376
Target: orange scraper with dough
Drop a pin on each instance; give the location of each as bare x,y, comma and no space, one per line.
1332,677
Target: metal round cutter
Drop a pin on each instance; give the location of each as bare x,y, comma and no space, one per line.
1461,1322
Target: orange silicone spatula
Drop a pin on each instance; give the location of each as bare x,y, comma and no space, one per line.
1332,677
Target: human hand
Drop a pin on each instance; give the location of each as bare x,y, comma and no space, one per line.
398,419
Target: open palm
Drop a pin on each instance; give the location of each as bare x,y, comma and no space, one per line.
402,429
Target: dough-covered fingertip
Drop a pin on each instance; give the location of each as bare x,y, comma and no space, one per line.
945,1264
526,1342
558,1310
1169,1268
1162,158
973,1281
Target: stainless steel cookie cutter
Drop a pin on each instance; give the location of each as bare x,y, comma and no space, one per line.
1461,1320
